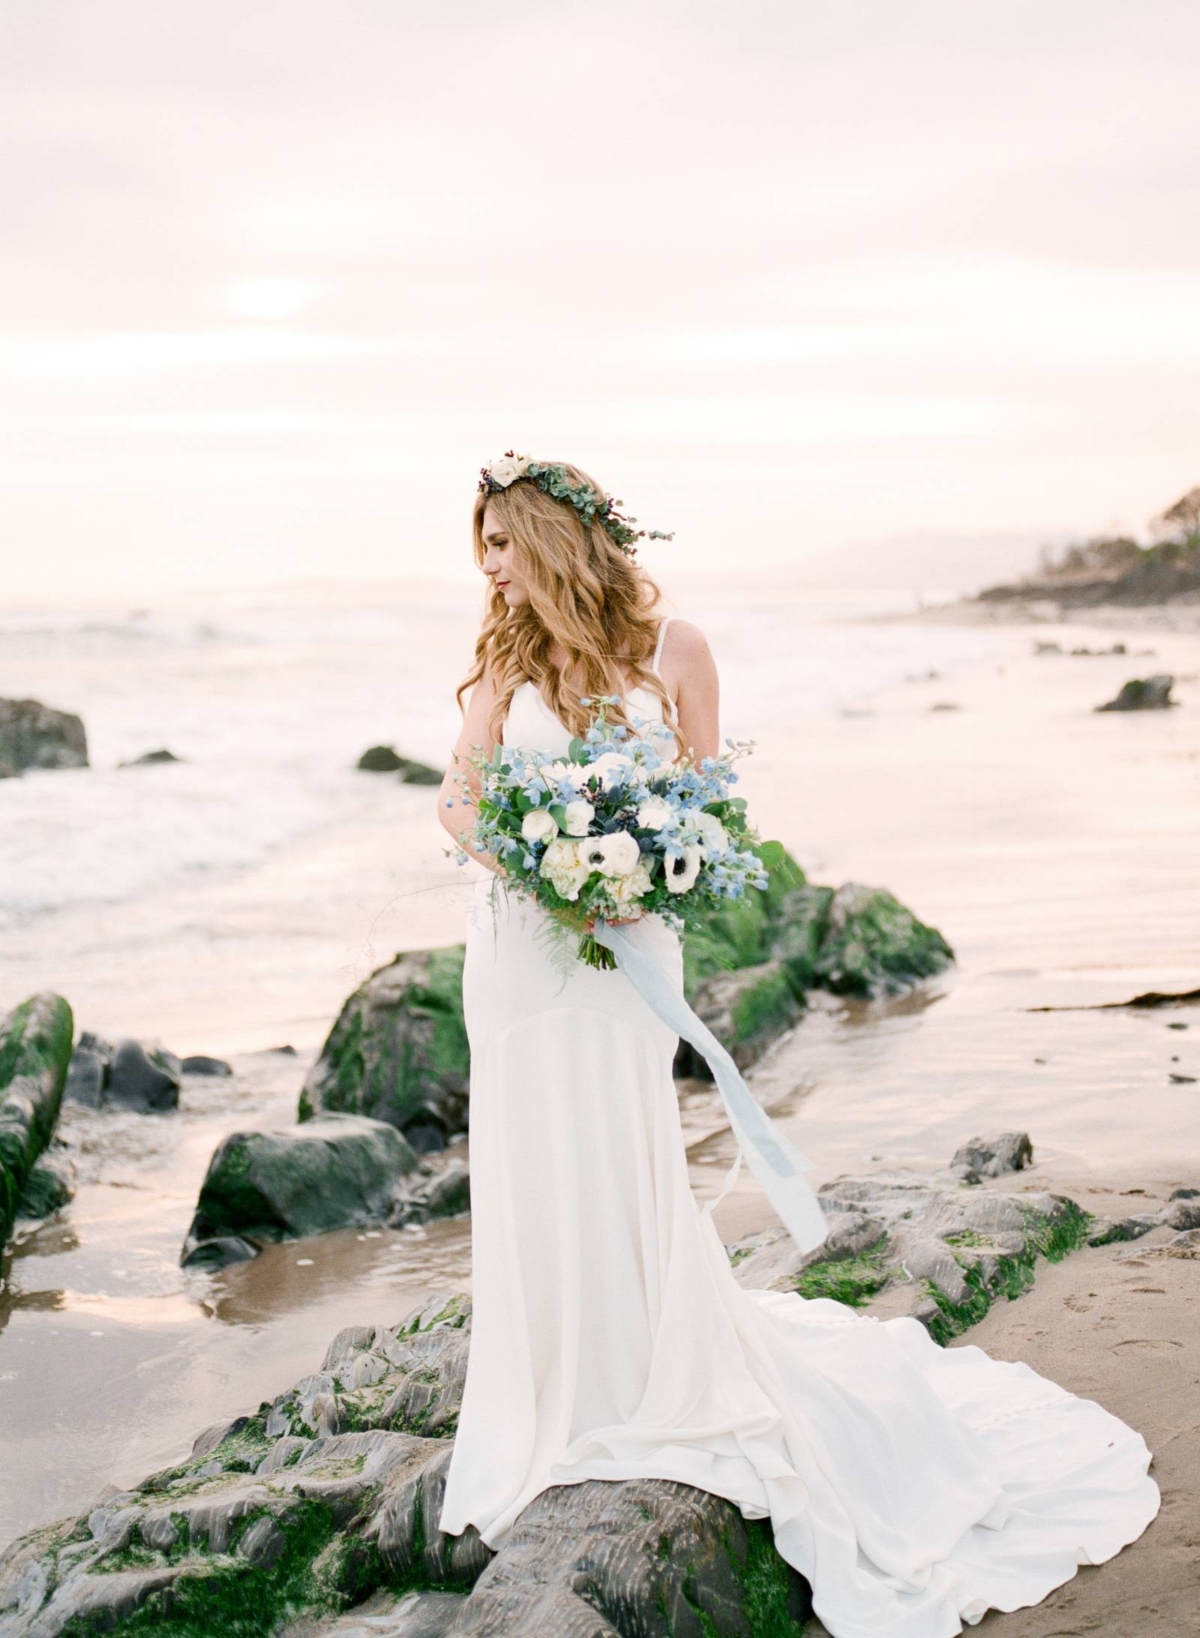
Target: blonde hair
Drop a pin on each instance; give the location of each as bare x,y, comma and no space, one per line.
585,593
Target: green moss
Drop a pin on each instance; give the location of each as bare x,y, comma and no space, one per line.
12,1042
226,1595
852,1280
35,1047
768,1585
766,1006
1051,1238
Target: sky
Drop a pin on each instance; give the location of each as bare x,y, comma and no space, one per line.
790,278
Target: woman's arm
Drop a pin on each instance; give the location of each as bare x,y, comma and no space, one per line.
452,814
689,673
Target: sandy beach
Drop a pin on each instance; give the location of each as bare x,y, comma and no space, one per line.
957,765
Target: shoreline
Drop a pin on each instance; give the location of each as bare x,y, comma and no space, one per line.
1043,610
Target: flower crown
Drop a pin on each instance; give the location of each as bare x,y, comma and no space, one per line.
592,506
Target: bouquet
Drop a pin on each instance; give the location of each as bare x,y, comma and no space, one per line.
615,829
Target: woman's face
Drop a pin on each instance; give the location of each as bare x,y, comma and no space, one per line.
499,562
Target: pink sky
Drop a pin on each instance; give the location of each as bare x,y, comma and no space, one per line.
784,276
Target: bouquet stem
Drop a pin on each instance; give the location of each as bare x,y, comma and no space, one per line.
595,954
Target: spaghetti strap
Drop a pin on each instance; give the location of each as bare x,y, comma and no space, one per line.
658,647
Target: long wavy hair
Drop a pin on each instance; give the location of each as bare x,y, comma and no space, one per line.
585,593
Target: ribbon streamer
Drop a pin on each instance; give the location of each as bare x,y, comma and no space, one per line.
774,1160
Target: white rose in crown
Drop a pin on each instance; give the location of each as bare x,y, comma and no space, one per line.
682,873
539,826
577,816
508,468
616,854
653,813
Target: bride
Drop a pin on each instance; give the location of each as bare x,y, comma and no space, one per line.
913,1487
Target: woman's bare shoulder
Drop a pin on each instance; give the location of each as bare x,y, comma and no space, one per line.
684,643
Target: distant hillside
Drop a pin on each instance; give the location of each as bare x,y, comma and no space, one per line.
1116,569
921,563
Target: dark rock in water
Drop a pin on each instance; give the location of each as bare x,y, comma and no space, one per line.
945,705
990,1156
126,1075
747,1010
419,773
317,1507
218,1252
398,1051
199,1064
334,1172
1143,694
447,1193
385,759
35,1049
148,757
33,735
141,1078
873,946
380,759
88,1071
49,1186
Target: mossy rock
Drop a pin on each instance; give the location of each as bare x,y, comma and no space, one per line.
873,946
334,1172
747,1010
799,931
35,1049
398,1051
739,932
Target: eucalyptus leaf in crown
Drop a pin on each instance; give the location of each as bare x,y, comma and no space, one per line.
614,830
592,505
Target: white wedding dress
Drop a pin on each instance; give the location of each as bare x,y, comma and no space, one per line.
913,1487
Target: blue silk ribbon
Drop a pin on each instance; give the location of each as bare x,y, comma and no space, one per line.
774,1160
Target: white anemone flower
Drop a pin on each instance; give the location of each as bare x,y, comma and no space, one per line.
614,855
682,873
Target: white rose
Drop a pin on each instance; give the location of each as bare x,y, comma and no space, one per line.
507,468
613,855
577,817
611,769
682,873
564,868
653,813
555,772
714,838
626,890
539,825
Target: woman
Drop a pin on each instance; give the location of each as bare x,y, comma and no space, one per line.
913,1487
